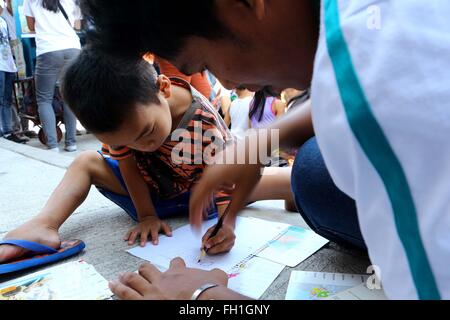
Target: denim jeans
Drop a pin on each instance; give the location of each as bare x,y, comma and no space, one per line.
326,209
6,91
49,69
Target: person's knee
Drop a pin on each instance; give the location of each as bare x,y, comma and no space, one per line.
87,161
307,170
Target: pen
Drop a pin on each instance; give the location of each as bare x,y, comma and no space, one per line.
215,231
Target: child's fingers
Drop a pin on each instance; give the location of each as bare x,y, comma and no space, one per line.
166,229
222,247
144,237
214,241
127,236
207,234
133,237
154,234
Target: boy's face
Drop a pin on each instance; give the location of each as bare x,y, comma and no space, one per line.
145,129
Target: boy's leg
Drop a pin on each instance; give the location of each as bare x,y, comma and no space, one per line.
88,169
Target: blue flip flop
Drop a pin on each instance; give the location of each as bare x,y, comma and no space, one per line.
41,255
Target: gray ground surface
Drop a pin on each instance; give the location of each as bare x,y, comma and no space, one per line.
28,174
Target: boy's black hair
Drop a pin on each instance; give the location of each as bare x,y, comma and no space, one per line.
157,26
101,89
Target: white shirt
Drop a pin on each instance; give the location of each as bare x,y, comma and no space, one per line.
403,70
11,24
7,63
239,111
53,32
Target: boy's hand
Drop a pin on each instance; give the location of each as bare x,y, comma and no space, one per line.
148,226
33,230
222,242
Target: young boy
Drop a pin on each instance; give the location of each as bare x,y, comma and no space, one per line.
133,112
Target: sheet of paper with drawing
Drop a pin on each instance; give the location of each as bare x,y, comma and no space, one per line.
253,277
305,285
361,292
293,246
70,281
251,235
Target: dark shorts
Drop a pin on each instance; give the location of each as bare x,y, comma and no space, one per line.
165,208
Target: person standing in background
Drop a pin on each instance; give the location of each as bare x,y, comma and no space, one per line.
265,110
57,43
198,80
237,116
20,126
8,71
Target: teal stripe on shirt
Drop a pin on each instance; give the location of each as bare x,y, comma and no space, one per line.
377,148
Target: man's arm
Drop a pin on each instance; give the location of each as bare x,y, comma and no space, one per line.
295,127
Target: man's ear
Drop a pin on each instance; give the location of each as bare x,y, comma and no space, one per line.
164,85
257,7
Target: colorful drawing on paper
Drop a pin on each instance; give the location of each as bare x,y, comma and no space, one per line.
290,239
237,270
34,288
314,292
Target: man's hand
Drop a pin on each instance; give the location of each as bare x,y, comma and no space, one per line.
222,242
33,230
177,283
148,226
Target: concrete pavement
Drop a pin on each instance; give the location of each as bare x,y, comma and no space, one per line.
29,173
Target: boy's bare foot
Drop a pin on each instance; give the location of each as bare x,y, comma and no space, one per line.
32,231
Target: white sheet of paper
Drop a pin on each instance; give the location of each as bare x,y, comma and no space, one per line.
251,235
70,281
293,247
254,277
304,285
360,292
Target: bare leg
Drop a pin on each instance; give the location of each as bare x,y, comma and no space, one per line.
275,184
87,169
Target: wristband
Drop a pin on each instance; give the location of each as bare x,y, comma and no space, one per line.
202,289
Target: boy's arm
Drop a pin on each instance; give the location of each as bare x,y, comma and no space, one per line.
137,188
149,222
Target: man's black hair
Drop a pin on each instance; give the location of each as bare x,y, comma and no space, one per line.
157,26
101,90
